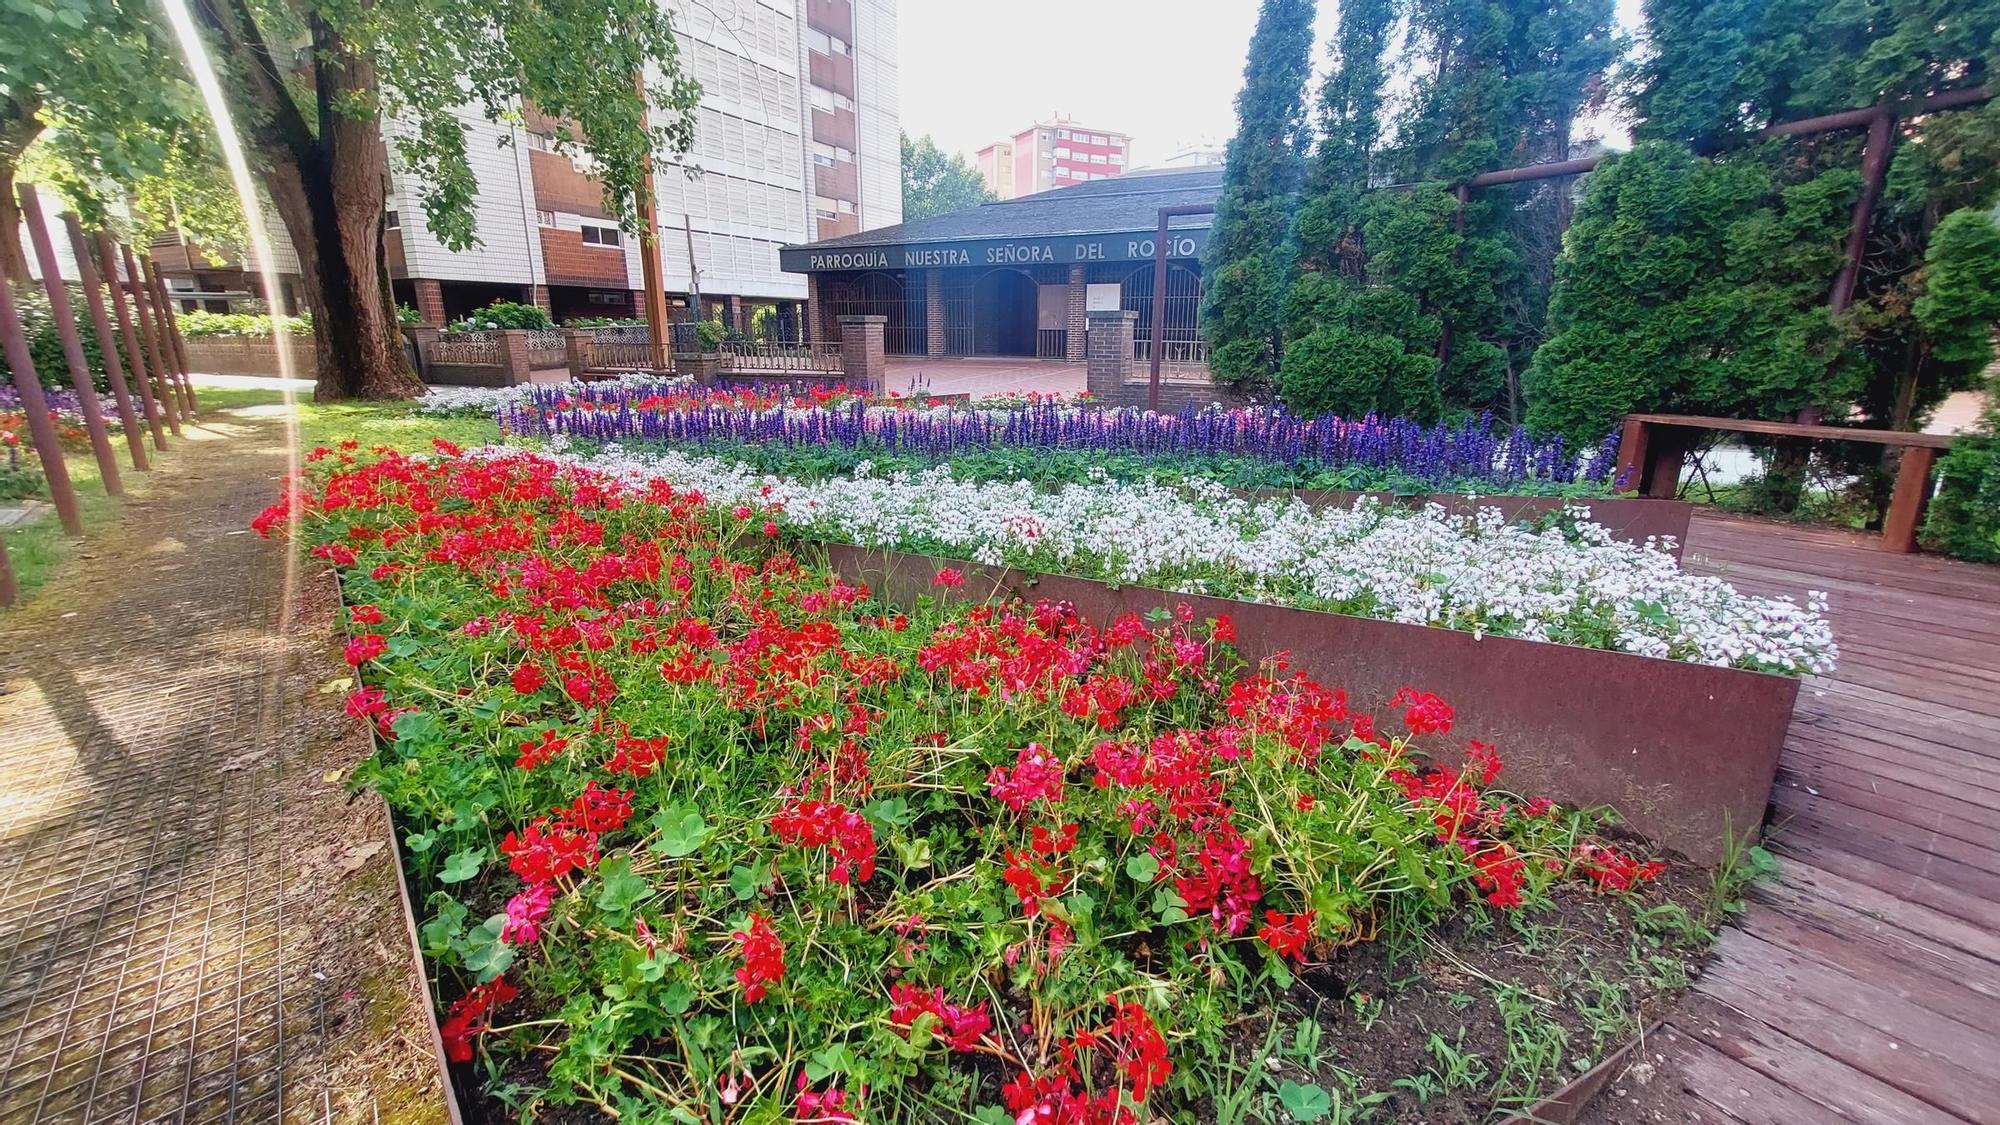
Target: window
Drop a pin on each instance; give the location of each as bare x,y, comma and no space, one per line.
1117,158
538,141
846,206
546,218
844,102
845,156
822,99
1099,139
392,220
825,207
1097,158
1062,134
1062,153
824,154
1062,173
602,236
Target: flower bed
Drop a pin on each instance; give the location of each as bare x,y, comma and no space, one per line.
1474,573
502,401
1265,445
711,833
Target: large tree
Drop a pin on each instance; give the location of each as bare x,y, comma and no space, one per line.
1399,306
936,181
1249,258
313,82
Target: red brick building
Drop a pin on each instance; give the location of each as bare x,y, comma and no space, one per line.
1052,154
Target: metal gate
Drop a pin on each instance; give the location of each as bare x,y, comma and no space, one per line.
1181,331
883,295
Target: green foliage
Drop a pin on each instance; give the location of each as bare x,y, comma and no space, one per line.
710,334
45,343
1249,257
1963,520
935,181
201,324
603,322
504,314
1694,286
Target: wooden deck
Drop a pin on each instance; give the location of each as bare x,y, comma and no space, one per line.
1864,984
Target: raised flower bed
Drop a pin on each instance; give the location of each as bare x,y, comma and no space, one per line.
702,831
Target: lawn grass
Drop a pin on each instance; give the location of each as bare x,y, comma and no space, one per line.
39,549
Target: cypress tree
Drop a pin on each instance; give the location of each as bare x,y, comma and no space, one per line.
1249,257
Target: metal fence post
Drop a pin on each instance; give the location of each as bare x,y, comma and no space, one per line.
107,262
163,383
72,344
114,371
171,329
40,427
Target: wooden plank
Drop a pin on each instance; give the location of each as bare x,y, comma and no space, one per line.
1837,1091
1933,1060
1963,989
1936,807
1709,1077
1794,429
1800,881
1828,819
1898,883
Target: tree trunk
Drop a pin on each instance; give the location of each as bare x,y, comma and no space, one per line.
13,258
327,186
18,129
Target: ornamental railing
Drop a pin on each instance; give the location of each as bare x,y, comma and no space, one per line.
819,357
546,349
468,347
627,347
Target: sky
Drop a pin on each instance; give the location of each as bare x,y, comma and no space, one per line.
1164,71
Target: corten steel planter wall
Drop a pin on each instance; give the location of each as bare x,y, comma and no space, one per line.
1682,751
1629,519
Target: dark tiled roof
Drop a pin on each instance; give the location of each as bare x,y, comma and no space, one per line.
1121,204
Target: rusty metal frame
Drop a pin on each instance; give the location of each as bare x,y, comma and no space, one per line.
114,369
107,264
72,343
40,427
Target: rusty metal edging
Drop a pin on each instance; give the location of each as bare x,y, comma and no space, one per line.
1682,751
451,1098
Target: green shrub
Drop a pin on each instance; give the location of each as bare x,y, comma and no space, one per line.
45,343
709,334
604,322
256,326
1964,520
504,314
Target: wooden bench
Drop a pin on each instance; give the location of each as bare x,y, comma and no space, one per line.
1655,445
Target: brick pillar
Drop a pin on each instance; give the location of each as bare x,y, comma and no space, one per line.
1109,357
864,358
538,296
430,300
705,368
736,318
425,338
1073,349
934,312
577,349
815,328
514,355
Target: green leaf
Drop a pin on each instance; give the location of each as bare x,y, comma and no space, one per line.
419,842
1142,867
828,1061
992,1115
889,812
462,865
682,832
622,889
745,882
1304,1103
489,956
676,998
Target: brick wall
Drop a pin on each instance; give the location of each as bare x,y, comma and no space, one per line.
863,357
568,261
430,300
934,313
560,187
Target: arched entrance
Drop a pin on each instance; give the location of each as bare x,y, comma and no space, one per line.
883,295
1004,317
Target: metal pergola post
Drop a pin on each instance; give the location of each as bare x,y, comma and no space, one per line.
72,344
114,371
107,263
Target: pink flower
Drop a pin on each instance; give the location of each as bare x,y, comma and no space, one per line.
525,912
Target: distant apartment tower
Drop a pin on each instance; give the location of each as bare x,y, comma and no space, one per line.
1052,154
796,140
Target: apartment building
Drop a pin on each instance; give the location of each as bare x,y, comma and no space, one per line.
796,140
1052,154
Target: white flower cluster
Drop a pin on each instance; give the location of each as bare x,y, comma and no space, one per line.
486,400
1573,584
